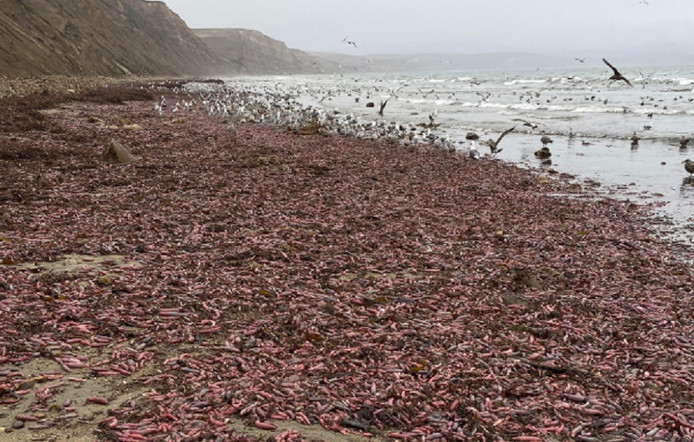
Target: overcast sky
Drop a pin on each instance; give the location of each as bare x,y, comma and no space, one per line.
573,28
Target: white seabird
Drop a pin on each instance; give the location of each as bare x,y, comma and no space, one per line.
473,152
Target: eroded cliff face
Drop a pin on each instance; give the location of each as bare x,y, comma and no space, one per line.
100,37
249,52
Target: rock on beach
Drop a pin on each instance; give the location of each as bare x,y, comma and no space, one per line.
116,152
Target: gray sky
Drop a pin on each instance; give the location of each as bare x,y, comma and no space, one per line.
573,28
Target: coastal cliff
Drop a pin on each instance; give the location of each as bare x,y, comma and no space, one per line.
99,37
250,52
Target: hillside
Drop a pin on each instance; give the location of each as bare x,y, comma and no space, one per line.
99,37
250,52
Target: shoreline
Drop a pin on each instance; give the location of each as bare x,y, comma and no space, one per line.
589,150
258,275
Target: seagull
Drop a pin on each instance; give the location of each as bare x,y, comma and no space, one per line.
635,140
581,60
616,76
484,96
530,124
432,118
546,140
474,153
683,142
349,42
689,166
494,145
382,106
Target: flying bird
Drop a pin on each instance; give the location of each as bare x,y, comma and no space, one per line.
382,106
349,42
527,123
581,60
616,76
494,145
484,96
432,119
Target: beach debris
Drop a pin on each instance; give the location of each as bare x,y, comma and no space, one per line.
616,75
116,152
462,300
132,126
264,425
96,400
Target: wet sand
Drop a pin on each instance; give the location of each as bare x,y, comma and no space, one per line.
238,277
622,171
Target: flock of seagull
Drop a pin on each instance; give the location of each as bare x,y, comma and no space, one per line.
544,153
284,109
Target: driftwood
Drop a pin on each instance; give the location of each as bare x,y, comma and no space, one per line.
116,152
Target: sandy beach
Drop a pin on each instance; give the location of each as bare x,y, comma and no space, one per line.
244,282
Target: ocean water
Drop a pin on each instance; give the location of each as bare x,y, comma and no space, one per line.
590,119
